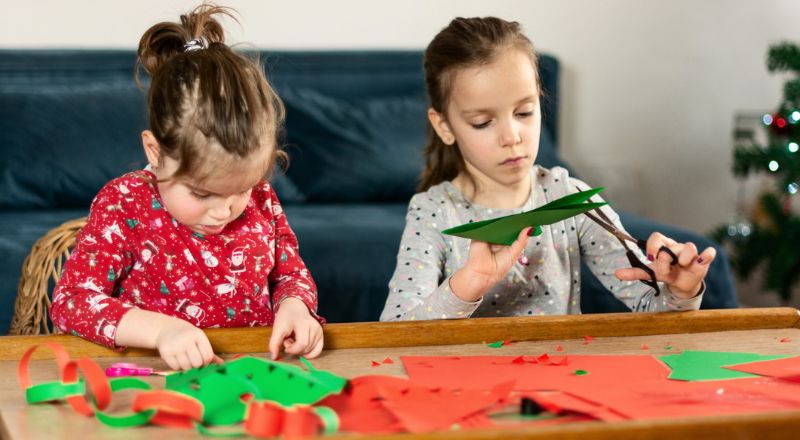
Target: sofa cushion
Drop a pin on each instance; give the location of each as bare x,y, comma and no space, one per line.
354,150
62,143
351,251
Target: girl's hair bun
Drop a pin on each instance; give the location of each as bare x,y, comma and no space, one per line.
197,30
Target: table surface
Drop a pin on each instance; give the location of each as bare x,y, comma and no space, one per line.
351,347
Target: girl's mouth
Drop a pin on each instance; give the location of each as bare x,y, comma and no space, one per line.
514,161
212,230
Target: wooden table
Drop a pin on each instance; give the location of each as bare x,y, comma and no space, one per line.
350,348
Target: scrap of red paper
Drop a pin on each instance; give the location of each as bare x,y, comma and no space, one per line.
786,340
559,348
587,339
421,409
376,364
388,361
786,368
359,408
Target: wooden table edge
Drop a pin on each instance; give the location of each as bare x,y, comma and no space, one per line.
452,332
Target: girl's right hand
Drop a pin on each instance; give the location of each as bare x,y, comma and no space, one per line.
183,346
486,265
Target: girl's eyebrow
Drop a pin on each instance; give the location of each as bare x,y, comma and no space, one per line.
533,98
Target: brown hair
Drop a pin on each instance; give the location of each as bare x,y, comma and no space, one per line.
203,94
464,43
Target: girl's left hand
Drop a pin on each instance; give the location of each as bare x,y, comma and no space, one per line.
684,279
295,329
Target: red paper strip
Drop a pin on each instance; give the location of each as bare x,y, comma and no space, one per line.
173,409
96,381
62,358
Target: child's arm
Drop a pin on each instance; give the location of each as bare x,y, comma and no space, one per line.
420,289
82,299
297,326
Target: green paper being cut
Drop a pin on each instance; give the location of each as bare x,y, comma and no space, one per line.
504,230
694,365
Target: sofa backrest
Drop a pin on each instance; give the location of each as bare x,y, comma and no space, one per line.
70,120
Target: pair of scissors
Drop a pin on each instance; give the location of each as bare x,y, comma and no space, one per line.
124,369
608,225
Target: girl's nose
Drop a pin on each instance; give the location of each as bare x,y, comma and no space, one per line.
509,136
222,211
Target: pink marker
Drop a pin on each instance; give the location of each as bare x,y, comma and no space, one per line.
123,369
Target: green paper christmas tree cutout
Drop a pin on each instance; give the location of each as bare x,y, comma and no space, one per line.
504,230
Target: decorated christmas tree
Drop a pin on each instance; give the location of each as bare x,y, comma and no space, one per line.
771,237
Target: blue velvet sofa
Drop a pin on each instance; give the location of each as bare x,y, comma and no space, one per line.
70,121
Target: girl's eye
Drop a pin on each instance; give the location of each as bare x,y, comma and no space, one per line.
481,126
525,114
200,196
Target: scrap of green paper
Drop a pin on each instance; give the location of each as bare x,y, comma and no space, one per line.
218,387
692,365
504,230
497,344
131,420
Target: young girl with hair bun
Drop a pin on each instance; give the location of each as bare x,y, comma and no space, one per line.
198,239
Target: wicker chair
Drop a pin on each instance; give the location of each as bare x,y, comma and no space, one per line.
44,263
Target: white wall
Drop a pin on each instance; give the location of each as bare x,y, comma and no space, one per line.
649,90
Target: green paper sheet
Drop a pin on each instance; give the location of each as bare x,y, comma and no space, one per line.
504,230
707,365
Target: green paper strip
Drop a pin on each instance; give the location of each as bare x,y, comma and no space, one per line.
505,230
57,390
226,432
129,421
497,344
330,420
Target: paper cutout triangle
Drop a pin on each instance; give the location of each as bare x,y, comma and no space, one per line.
504,230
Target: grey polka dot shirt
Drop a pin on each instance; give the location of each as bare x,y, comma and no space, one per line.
545,281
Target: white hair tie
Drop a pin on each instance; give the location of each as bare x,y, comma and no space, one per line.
193,45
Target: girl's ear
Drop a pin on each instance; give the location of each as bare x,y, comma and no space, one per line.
151,148
441,126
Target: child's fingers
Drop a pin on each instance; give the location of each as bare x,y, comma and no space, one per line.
301,339
217,360
631,274
172,362
688,255
316,348
654,243
519,244
662,265
194,356
206,352
183,361
279,333
707,256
